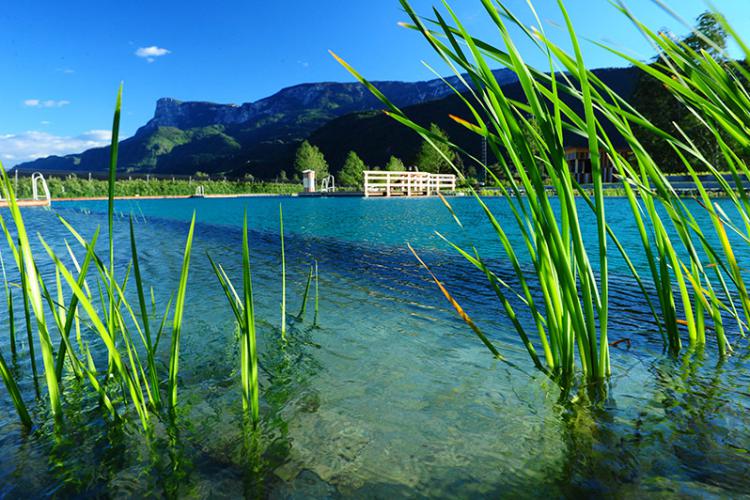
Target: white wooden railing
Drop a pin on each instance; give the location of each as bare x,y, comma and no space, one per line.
383,183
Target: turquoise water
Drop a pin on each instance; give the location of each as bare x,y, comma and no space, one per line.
392,395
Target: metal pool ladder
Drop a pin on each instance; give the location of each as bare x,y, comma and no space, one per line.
37,177
328,185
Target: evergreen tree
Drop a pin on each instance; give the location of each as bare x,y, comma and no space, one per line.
430,159
309,157
351,173
663,110
709,35
395,165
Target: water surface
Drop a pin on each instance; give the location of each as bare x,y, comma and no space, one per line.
391,395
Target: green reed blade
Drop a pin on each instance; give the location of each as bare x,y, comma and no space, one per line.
118,367
315,317
283,275
301,314
234,301
113,149
11,324
179,309
59,321
249,347
163,323
139,286
244,312
65,346
31,285
144,316
11,318
15,393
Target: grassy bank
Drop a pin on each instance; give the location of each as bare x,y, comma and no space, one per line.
75,187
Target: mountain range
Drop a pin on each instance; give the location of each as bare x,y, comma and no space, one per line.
260,137
376,136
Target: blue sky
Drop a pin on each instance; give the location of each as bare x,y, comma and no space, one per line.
62,61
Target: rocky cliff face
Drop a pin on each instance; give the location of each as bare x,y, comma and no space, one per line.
186,115
327,100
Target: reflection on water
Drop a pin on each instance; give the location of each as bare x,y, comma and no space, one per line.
391,395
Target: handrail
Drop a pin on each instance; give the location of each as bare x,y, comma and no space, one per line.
35,178
328,185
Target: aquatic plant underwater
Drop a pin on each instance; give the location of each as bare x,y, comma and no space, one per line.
694,285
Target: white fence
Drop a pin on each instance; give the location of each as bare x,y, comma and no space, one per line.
381,183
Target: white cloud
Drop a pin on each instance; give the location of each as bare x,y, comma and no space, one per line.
49,103
33,144
97,135
151,53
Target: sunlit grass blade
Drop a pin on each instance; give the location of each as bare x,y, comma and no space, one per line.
15,393
113,150
301,314
11,316
179,309
244,312
31,285
144,316
250,364
71,312
118,368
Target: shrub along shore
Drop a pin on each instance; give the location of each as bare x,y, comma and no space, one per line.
75,187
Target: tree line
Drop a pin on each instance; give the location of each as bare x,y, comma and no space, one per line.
351,172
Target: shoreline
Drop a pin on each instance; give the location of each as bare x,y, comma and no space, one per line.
173,197
491,194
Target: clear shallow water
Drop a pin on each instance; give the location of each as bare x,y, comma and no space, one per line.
392,395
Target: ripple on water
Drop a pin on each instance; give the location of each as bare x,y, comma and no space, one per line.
392,395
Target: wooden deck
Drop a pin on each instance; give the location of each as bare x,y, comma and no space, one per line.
382,183
27,203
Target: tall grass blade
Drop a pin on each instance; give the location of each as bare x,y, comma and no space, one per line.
144,316
250,363
179,309
31,285
244,312
11,318
302,309
315,317
15,393
111,208
283,275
